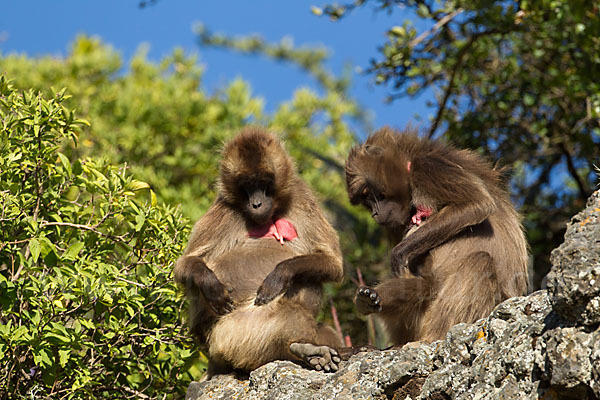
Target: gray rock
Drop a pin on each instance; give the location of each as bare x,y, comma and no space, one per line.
568,352
545,345
574,281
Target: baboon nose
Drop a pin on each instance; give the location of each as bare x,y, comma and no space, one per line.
256,205
374,214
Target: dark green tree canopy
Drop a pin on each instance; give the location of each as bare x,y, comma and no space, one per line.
517,80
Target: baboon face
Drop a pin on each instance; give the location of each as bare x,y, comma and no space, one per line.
258,192
377,177
390,212
256,175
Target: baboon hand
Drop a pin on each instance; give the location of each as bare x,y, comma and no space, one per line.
367,300
317,357
274,284
216,295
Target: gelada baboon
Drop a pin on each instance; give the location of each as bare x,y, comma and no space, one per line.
255,263
460,245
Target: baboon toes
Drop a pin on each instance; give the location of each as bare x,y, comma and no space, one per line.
320,358
367,300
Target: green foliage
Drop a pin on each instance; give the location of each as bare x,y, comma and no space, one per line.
88,306
155,121
158,120
516,79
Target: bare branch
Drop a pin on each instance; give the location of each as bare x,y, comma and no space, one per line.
435,27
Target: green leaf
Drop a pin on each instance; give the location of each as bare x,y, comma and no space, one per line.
137,185
57,338
318,11
35,249
139,219
64,356
73,250
398,30
65,162
528,100
41,357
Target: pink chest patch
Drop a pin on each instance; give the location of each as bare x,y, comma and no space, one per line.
282,229
420,215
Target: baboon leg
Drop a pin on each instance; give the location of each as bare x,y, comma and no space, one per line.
251,336
468,294
216,367
201,320
326,335
317,357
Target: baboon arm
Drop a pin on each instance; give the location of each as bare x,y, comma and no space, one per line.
441,226
315,267
206,241
461,198
193,273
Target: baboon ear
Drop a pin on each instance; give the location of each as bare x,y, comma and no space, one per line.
374,151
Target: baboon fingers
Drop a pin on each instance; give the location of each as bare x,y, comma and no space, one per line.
367,300
334,355
220,305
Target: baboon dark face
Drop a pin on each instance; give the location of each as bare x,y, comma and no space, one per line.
259,194
390,212
257,176
378,178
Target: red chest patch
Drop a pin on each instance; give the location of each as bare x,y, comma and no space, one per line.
282,229
421,214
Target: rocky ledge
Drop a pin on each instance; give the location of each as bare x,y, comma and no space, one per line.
545,345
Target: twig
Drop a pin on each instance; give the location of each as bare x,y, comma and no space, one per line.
135,392
436,27
583,192
132,282
336,321
85,227
347,341
455,68
361,281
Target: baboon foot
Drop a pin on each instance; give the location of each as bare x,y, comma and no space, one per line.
317,357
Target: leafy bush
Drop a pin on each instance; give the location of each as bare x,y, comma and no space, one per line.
88,305
157,119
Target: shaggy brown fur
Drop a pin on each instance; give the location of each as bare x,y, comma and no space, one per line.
251,298
468,254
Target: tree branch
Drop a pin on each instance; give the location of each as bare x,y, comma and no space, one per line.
436,27
583,192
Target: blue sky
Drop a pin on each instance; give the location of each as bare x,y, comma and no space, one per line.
48,27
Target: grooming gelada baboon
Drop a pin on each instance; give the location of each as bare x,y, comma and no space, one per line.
460,245
255,263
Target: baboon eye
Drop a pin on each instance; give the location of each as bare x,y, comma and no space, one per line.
365,192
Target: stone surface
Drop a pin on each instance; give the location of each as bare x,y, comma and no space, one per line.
545,345
574,281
